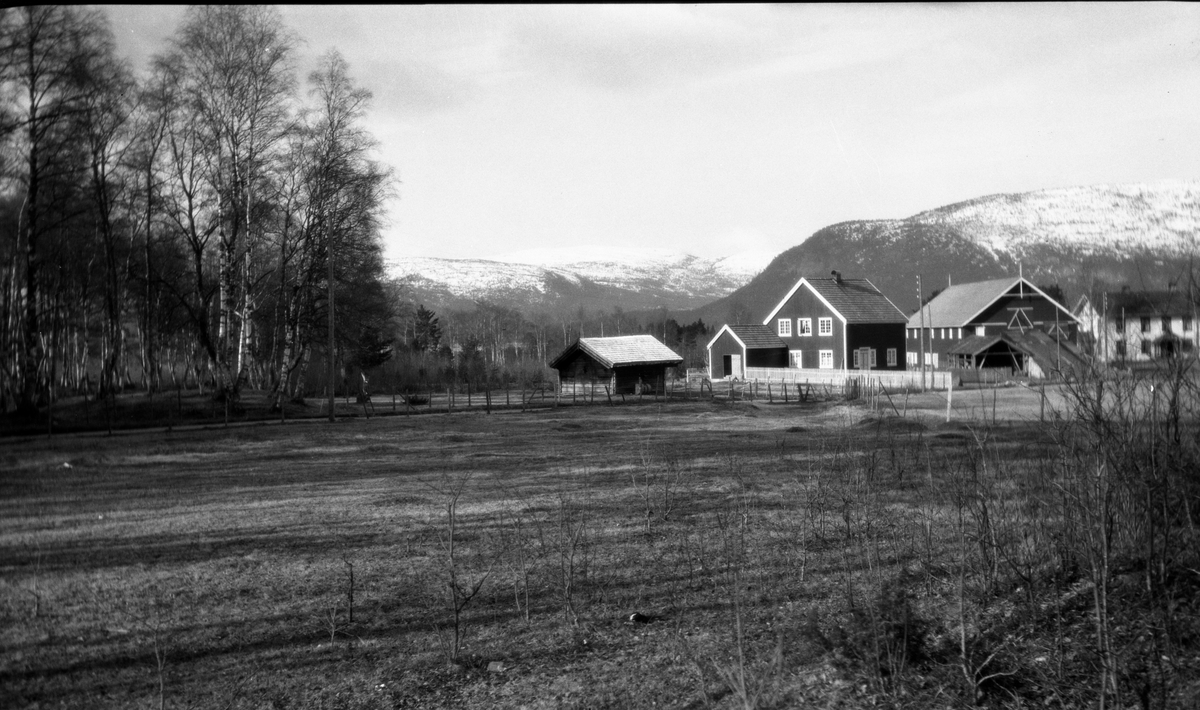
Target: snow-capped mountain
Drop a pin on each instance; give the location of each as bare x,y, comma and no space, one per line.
1080,238
1103,219
592,277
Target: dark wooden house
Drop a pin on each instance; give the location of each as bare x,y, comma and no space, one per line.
627,364
736,347
1003,323
839,324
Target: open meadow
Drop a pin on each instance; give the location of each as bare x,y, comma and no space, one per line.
653,554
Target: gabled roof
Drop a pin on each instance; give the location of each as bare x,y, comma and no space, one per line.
622,351
1149,303
854,300
960,303
751,337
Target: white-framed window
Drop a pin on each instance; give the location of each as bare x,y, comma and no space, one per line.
804,326
874,363
796,357
980,330
857,360
785,327
891,357
826,359
825,327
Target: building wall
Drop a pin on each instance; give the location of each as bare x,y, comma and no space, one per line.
766,357
880,337
938,341
724,345
643,379
1041,312
805,304
1140,344
582,368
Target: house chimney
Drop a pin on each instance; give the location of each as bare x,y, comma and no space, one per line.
837,275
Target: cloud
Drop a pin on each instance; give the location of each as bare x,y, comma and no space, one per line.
633,46
413,87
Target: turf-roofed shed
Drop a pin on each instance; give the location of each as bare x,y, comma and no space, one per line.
626,364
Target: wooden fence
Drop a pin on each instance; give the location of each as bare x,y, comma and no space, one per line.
891,379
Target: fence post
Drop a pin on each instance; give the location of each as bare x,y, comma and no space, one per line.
949,397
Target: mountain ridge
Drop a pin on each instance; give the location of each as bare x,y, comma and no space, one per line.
1080,238
634,280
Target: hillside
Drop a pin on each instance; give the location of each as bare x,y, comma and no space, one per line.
1077,237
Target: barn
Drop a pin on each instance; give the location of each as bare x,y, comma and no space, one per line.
627,364
1007,324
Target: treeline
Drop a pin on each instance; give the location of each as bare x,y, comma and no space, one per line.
496,346
208,221
214,223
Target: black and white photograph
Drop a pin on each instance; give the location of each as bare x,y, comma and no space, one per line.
711,356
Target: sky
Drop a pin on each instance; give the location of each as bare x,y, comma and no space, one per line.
716,130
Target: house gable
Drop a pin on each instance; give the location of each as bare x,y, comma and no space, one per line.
804,282
806,302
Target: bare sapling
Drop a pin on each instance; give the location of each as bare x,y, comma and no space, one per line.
461,586
571,545
523,559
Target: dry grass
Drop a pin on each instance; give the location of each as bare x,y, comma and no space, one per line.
812,553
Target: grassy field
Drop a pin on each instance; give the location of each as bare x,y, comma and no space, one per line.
827,554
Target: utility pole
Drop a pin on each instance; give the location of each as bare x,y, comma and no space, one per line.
921,341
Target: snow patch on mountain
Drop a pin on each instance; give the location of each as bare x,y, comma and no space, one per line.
1118,220
670,277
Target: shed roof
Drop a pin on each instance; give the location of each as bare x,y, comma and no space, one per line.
856,300
958,304
622,351
756,336
975,344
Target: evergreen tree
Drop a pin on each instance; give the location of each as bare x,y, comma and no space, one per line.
428,335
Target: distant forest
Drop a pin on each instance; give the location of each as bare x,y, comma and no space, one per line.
207,222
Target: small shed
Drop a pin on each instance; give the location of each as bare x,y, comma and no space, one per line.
626,364
736,347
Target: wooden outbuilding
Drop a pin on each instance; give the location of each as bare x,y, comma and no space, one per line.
627,364
736,347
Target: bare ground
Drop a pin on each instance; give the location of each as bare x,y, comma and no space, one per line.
314,565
